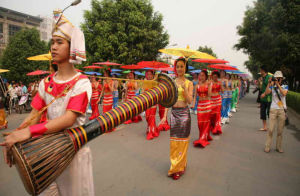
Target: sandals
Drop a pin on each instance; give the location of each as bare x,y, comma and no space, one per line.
267,150
280,151
262,129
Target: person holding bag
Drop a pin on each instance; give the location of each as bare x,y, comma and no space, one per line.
278,116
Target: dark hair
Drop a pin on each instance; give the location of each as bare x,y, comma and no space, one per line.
205,72
216,72
263,67
54,67
185,62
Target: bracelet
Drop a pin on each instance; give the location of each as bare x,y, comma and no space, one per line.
38,129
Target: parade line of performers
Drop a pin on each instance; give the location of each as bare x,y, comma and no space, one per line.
63,98
213,98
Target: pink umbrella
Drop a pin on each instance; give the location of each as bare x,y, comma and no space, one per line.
131,67
153,64
222,66
210,61
93,67
37,72
107,63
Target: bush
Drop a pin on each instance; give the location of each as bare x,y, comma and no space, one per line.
293,101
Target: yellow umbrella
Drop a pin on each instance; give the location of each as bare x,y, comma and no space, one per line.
3,70
42,57
187,53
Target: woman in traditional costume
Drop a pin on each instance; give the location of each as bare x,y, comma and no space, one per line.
130,92
216,103
224,94
230,92
150,113
204,109
180,121
115,92
96,91
71,92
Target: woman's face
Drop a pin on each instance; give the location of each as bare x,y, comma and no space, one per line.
131,76
60,49
222,74
106,74
180,68
215,77
195,76
149,75
202,76
227,77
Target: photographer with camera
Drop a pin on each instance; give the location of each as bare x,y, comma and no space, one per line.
265,99
278,117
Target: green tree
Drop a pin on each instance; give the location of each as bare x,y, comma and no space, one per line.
205,49
23,44
123,31
270,36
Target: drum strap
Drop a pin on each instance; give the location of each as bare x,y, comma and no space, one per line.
65,91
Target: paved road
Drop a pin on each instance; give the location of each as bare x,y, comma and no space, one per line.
125,163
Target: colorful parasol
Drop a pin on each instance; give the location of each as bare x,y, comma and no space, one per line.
222,66
153,64
107,63
3,70
116,70
186,52
37,72
210,61
131,67
92,73
41,57
78,70
93,67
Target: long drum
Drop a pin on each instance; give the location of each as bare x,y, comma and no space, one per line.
41,160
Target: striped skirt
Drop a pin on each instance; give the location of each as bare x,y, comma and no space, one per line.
203,116
107,102
215,118
179,139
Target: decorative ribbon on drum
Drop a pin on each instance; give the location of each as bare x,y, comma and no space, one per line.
41,160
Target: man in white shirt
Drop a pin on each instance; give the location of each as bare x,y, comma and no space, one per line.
277,110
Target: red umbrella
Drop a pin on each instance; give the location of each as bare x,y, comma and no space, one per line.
93,67
165,69
78,70
107,63
37,72
153,64
222,66
132,67
210,61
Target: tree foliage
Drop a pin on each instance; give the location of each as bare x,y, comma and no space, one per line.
205,49
123,31
23,44
270,36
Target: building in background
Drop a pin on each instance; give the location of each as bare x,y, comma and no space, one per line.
12,21
46,28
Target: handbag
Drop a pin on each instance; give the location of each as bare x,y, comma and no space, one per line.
287,122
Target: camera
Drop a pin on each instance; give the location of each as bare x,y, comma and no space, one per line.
274,79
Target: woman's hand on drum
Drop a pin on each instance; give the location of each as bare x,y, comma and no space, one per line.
16,136
10,139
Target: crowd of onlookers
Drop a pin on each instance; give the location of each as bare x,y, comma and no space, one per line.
15,91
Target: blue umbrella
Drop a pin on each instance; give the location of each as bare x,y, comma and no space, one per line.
191,67
92,73
139,73
117,74
114,70
196,71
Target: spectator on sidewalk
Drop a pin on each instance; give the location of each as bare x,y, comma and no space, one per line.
277,111
265,99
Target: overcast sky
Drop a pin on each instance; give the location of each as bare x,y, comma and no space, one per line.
188,22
